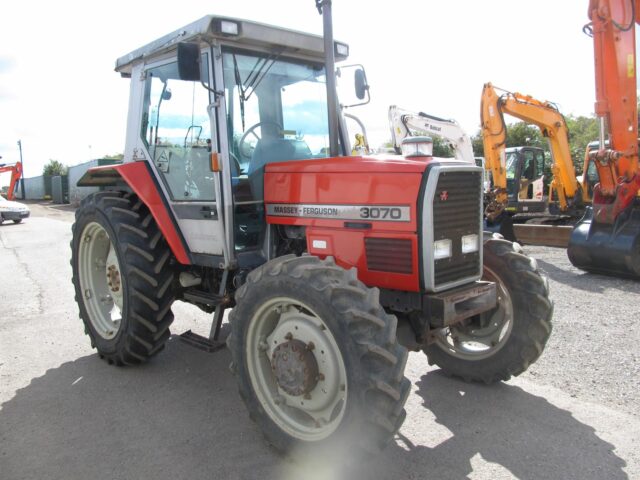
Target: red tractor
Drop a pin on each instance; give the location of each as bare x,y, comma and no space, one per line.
237,191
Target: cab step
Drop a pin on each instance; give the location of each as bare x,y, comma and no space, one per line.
201,343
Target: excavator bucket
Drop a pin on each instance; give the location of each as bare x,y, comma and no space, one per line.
502,225
610,249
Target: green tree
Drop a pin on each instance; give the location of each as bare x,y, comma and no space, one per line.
521,134
478,145
441,148
54,168
582,131
115,156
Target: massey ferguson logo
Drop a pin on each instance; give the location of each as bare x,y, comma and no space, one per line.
444,196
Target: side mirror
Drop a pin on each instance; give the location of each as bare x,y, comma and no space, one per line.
189,61
360,83
362,92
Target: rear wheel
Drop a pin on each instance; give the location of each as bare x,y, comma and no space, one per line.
316,356
122,277
507,340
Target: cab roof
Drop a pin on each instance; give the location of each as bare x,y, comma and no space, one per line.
250,34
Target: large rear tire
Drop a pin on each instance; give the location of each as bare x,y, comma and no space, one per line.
122,277
316,357
507,340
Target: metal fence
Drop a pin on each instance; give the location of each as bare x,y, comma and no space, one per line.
61,189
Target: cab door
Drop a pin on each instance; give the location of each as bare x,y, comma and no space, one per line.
531,197
179,135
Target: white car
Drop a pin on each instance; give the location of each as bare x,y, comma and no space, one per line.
12,211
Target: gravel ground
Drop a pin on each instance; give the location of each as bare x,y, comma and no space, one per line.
593,352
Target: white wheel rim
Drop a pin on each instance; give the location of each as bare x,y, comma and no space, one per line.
310,417
100,280
470,343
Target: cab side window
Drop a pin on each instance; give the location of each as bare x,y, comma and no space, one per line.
177,132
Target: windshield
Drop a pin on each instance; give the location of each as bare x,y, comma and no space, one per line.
512,162
276,110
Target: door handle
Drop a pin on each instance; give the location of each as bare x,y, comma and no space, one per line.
208,212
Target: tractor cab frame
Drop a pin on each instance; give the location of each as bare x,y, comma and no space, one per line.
207,123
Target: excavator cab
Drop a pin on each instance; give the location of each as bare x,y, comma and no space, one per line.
525,180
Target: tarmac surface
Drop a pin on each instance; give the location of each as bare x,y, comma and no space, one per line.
66,414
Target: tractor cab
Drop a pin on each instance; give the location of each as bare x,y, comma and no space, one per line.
213,104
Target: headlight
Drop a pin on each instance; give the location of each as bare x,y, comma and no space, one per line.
442,249
417,147
470,243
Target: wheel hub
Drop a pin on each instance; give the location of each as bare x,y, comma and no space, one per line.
113,278
295,367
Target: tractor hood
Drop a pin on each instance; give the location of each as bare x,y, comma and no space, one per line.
369,164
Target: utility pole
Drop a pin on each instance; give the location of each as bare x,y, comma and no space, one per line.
24,197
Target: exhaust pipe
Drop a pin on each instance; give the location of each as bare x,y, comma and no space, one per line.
324,8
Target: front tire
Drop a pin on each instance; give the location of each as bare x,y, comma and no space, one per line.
316,357
507,340
19,220
122,277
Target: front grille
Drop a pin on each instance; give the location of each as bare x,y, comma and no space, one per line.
389,255
457,211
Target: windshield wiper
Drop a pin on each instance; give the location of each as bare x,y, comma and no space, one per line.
256,75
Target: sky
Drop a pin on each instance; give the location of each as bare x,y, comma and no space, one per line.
60,96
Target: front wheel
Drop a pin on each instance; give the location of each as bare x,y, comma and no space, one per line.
316,356
505,341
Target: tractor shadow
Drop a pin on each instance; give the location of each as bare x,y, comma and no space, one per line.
508,427
588,282
180,416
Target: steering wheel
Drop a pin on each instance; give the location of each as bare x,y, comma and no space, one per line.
244,148
236,163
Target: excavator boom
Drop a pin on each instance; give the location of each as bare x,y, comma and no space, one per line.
551,123
403,123
607,239
16,173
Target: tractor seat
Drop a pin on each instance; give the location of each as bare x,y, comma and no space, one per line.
270,150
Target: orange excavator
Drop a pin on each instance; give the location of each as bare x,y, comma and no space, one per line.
16,173
519,188
607,238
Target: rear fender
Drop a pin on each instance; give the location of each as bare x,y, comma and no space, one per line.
137,177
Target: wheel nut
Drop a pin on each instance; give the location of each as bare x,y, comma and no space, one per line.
288,336
321,377
310,346
307,396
